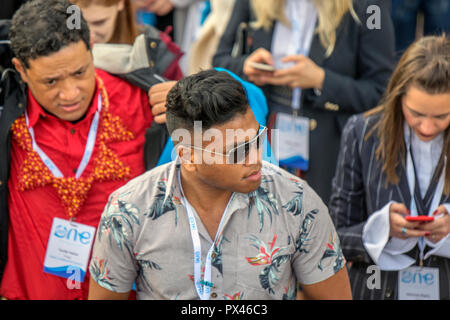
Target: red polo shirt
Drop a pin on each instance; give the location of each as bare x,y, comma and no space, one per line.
31,212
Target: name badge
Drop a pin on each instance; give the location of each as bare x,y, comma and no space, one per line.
68,249
418,283
292,145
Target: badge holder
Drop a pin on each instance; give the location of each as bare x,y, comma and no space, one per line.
292,146
68,249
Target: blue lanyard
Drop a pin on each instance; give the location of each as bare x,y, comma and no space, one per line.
204,286
87,151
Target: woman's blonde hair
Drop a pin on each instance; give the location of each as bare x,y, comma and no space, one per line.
126,30
330,14
425,65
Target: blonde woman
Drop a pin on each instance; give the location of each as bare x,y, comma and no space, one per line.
328,66
393,169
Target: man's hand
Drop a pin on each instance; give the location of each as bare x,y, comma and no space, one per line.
158,96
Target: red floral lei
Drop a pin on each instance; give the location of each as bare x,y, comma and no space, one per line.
72,191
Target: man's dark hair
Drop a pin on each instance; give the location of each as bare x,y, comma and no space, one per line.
212,97
40,28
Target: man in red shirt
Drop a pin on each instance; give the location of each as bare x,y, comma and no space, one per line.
78,137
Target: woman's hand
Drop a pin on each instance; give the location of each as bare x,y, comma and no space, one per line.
158,96
305,74
256,76
440,227
398,223
158,7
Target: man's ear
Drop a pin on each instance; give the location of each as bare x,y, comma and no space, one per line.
20,68
187,158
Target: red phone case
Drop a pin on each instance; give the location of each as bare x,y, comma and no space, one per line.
420,218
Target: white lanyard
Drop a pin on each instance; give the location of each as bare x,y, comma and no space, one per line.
204,286
410,173
87,151
304,36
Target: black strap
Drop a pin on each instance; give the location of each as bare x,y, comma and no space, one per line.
423,204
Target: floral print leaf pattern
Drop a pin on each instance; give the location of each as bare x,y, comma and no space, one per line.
333,250
217,252
146,265
130,210
117,225
100,272
265,203
237,296
291,293
304,232
270,256
295,204
161,206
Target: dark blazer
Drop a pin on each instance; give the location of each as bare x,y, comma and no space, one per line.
359,190
357,73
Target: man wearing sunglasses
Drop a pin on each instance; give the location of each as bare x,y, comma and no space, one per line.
218,222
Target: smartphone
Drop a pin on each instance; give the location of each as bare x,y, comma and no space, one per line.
420,218
262,66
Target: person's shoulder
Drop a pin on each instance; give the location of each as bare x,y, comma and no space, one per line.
115,84
140,189
361,124
289,190
295,199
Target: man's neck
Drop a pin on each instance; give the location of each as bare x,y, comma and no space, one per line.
209,202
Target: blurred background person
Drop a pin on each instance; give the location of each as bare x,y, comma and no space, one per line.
113,22
188,17
394,165
328,66
205,46
110,21
405,13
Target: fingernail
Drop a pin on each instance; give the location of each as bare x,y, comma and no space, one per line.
427,234
435,212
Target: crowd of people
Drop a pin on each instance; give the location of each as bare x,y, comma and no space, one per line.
119,178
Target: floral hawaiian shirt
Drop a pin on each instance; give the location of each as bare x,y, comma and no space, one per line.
272,238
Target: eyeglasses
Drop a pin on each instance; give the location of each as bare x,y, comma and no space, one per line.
239,153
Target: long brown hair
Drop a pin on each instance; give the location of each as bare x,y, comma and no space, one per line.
426,65
126,30
330,14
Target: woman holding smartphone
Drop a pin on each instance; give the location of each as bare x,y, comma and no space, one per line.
321,63
391,193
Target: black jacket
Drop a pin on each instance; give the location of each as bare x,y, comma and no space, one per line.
359,190
13,99
357,73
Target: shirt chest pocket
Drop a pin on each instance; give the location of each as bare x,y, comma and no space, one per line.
264,262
